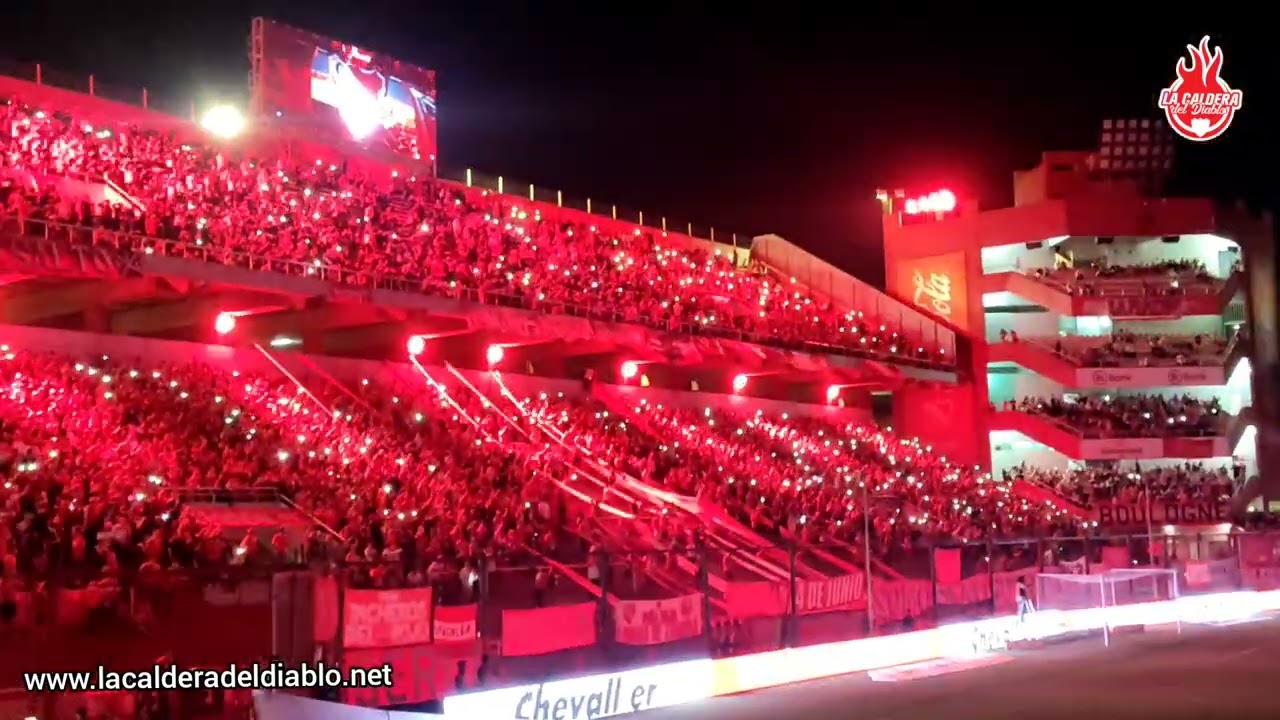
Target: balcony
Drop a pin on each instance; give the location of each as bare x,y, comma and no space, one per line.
1129,299
1066,362
1069,441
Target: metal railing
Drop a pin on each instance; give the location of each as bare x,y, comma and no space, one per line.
1049,344
91,238
974,583
1128,287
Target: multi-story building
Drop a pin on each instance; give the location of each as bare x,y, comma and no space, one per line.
1105,325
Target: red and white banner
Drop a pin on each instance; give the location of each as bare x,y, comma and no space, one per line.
454,624
843,592
549,629
653,622
771,598
386,618
1115,514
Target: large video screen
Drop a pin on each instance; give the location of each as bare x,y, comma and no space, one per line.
347,91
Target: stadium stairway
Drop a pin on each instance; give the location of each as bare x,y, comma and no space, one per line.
1040,429
810,563
1029,289
1035,357
748,548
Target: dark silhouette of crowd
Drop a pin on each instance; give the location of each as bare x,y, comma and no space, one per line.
1110,416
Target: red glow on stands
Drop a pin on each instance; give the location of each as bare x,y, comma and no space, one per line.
942,201
416,345
833,393
224,323
630,369
494,354
739,382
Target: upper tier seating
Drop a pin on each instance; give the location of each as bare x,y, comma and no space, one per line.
409,233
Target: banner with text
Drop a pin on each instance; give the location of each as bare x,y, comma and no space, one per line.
1147,304
771,599
653,622
1149,377
454,624
1122,449
386,618
1207,512
549,629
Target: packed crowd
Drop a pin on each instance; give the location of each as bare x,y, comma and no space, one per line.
802,478
1167,277
1111,416
96,456
1187,482
320,219
1129,349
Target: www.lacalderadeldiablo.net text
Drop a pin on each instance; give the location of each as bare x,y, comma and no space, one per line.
264,676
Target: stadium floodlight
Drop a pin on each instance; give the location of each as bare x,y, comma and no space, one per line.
223,121
630,369
416,345
941,201
833,393
224,323
739,382
1138,149
494,354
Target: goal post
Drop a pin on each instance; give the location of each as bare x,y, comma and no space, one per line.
1106,593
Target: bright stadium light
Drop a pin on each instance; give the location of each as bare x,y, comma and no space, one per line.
630,369
942,201
416,345
739,382
494,354
833,393
224,323
223,121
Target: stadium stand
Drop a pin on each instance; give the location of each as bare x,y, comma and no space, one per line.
436,238
135,478
1131,415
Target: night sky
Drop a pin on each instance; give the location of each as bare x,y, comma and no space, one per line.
754,118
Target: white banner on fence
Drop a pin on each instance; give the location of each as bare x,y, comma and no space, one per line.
653,622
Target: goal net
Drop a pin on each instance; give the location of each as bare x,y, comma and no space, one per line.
1055,591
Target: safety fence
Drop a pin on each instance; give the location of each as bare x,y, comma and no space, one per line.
573,609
